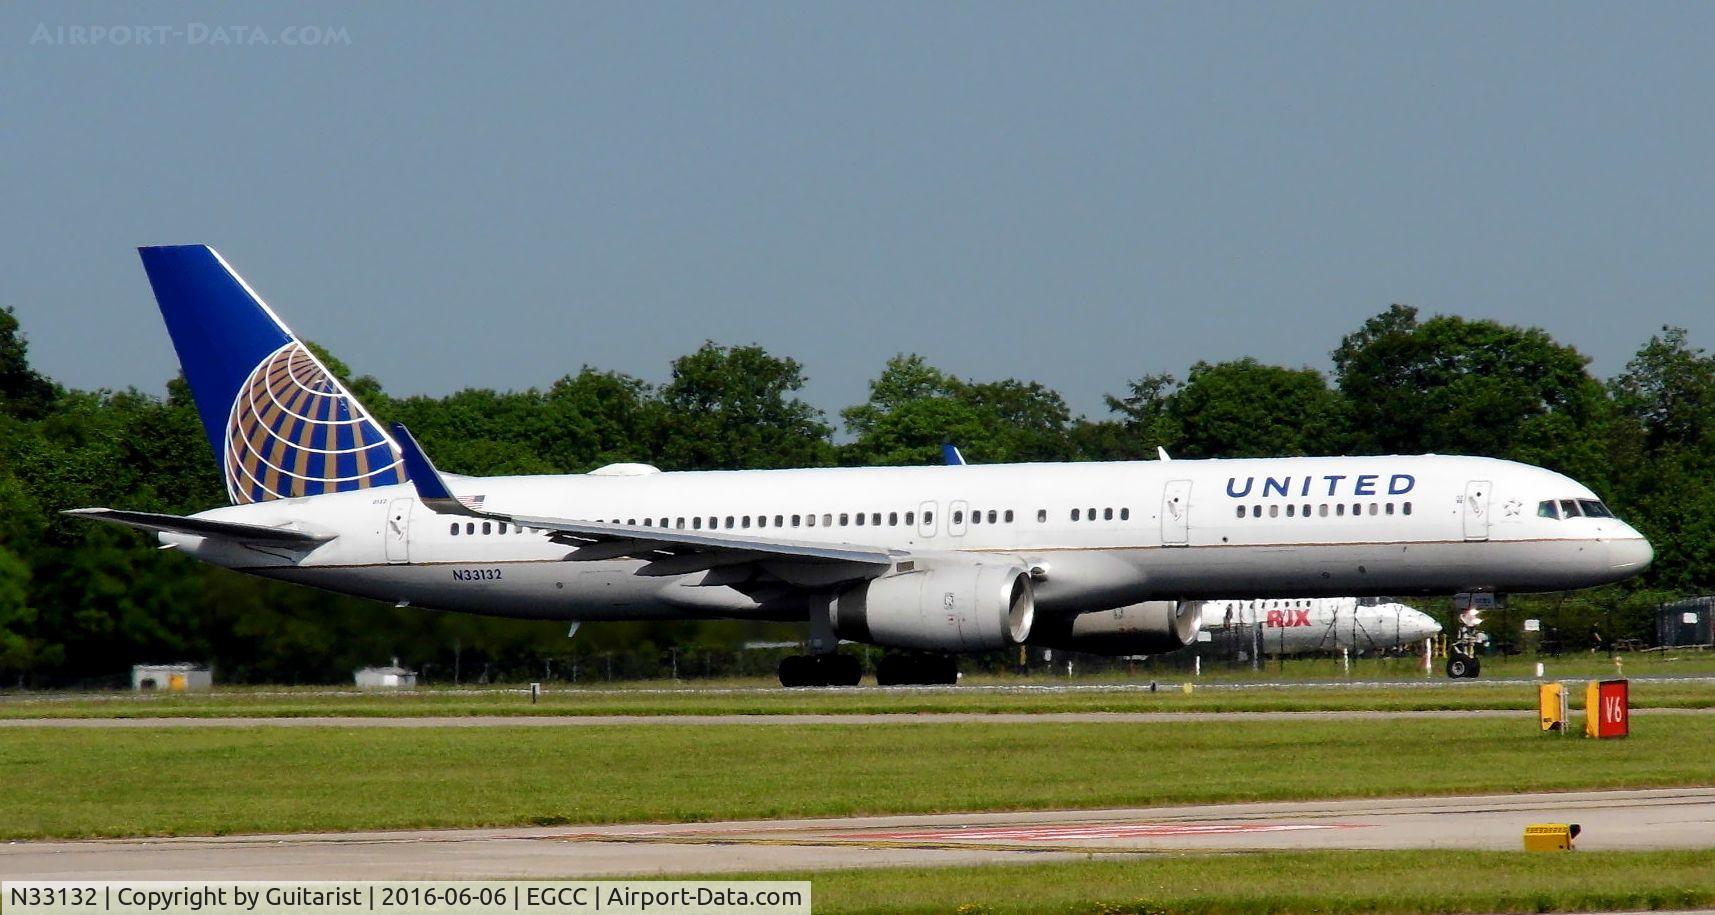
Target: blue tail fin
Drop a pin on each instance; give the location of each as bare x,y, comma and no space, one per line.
280,423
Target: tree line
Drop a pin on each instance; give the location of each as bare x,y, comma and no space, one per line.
82,602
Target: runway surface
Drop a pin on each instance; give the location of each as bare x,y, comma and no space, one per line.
1647,819
555,721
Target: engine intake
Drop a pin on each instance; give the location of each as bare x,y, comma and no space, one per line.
963,607
1152,627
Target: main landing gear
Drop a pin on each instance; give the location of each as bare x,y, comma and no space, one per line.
917,670
820,670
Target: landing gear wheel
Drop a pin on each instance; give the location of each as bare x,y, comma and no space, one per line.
820,670
841,670
795,671
1463,666
1475,668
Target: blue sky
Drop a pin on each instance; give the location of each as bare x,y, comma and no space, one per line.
1079,194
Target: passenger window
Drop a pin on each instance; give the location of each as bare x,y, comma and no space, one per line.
827,519
697,523
455,530
1107,514
1256,511
1042,516
500,528
892,519
1241,511
744,521
928,517
810,521
796,519
1091,515
1125,514
470,527
1289,509
1008,516
1274,511
1388,509
1322,510
859,519
1372,508
992,515
728,522
1074,514
976,517
1357,509
845,519
875,519
1406,508
910,519
1340,510
778,519
680,524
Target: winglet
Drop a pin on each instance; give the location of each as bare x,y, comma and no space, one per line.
1161,453
431,488
950,455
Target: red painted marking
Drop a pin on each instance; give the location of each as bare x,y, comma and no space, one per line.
1061,832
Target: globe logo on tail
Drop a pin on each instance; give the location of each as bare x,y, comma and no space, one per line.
295,431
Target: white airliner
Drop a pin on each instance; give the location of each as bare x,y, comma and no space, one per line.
930,560
1301,625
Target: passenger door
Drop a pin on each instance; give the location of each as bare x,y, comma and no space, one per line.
397,532
1477,510
926,519
1176,513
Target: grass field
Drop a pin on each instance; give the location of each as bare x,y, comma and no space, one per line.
179,781
978,695
1285,883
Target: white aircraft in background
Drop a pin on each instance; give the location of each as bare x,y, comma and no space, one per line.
1302,625
931,560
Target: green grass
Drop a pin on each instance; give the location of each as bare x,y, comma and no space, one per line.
983,695
178,781
1283,883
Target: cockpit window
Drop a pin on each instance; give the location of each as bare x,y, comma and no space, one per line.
1594,509
1569,508
1547,509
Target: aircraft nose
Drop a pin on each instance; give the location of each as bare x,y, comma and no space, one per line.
1421,624
1631,555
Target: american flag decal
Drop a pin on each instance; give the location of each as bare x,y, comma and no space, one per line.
474,503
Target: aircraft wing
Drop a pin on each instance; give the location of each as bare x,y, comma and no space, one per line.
204,527
669,551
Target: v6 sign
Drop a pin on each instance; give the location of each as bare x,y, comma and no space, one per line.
1607,708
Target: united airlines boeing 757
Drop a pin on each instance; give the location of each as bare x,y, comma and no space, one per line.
932,561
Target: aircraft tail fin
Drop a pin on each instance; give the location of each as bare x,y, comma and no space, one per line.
280,423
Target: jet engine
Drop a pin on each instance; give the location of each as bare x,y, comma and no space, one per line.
951,607
1152,627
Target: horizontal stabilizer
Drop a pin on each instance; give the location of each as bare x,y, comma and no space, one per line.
203,527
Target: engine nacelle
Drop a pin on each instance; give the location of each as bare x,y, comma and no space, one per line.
944,607
1152,627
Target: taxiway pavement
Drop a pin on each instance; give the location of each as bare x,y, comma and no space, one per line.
1641,819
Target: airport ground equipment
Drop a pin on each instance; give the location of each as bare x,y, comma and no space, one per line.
1607,708
1551,705
1550,836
